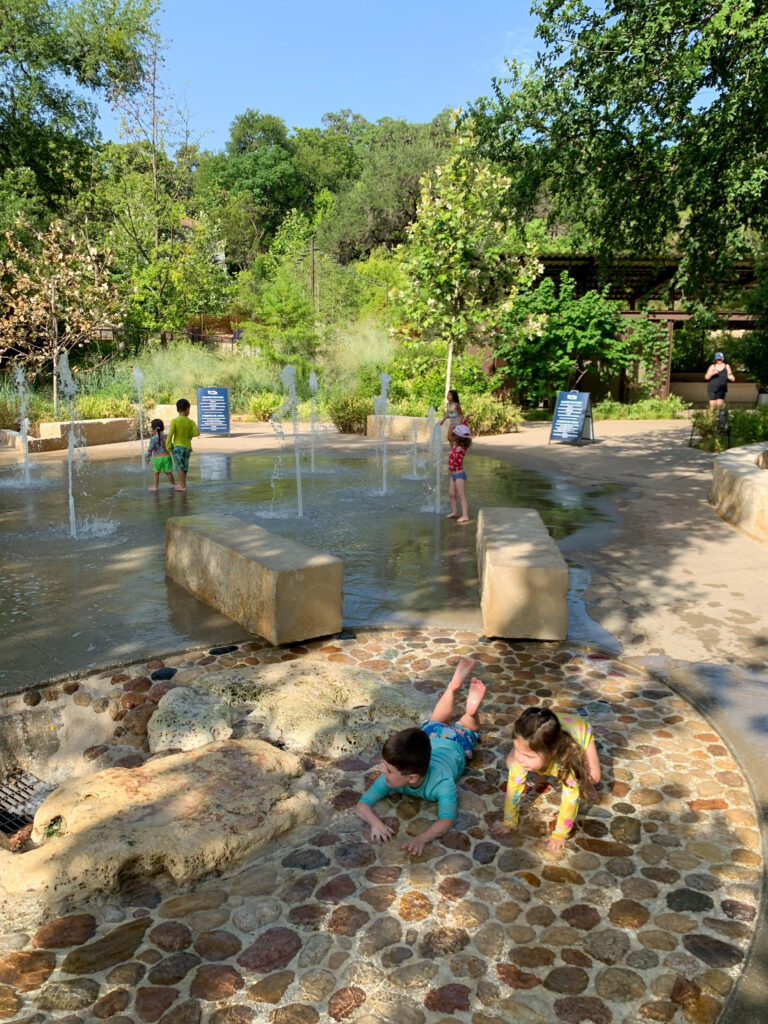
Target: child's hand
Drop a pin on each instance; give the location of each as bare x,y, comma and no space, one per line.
381,833
555,844
415,845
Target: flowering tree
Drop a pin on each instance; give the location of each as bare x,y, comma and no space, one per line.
55,293
461,262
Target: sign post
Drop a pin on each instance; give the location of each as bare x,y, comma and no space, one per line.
572,421
213,410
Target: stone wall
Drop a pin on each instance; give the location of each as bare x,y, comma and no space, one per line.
739,489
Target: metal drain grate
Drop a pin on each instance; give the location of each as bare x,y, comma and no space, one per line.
19,798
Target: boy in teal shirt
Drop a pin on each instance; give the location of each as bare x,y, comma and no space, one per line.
179,442
426,762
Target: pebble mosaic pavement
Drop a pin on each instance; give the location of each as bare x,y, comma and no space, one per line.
647,917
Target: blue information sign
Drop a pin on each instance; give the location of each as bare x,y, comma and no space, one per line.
213,410
572,420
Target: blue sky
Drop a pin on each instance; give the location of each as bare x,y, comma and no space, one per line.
299,60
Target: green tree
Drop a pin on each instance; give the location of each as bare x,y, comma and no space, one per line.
644,122
54,56
460,264
551,339
376,210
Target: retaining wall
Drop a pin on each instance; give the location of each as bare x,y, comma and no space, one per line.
739,489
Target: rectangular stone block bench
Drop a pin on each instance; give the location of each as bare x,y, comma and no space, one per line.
523,576
273,587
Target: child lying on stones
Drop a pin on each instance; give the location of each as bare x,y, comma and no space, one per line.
426,762
550,743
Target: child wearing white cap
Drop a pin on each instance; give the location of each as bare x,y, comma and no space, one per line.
462,440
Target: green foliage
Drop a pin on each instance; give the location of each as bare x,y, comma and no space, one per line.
101,407
462,272
54,56
376,209
748,426
262,406
551,338
489,415
646,124
754,346
650,348
671,408
349,413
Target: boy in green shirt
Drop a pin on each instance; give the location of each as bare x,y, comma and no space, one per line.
426,762
179,442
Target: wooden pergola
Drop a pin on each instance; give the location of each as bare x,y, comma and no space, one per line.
633,280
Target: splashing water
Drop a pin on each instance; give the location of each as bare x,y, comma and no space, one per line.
24,424
312,393
138,376
69,391
380,411
288,378
437,442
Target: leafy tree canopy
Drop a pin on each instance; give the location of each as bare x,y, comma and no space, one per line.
645,122
53,53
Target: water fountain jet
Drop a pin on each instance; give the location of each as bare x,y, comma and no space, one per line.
23,424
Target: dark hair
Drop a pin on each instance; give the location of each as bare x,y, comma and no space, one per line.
158,426
541,730
182,404
453,394
409,751
462,442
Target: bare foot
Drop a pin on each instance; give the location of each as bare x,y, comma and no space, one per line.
461,673
451,515
464,519
153,488
476,691
177,488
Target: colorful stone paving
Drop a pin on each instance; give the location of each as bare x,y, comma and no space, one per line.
647,917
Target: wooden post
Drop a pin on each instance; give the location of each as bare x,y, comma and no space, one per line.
668,382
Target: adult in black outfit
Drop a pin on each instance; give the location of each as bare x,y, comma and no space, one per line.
717,376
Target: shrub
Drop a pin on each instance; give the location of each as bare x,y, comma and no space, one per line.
748,426
349,413
670,408
488,415
262,406
103,407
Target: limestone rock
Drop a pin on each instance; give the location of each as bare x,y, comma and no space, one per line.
195,812
187,719
332,709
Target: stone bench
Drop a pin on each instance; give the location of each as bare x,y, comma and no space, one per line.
273,587
523,576
93,432
739,489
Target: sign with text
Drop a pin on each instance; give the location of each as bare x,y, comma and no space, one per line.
213,410
572,421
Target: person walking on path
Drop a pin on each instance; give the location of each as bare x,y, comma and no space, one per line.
717,376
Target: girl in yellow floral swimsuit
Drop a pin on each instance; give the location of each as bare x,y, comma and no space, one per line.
557,744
